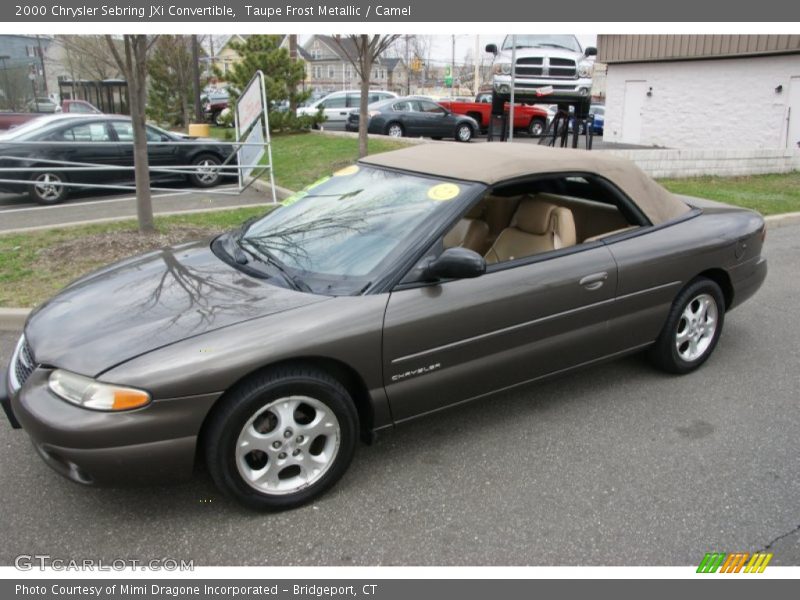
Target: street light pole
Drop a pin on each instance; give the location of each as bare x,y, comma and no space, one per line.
513,79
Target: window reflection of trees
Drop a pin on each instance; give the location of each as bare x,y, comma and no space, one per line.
343,227
204,292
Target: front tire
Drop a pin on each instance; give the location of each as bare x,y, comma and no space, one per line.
464,132
207,172
281,438
692,329
394,130
46,189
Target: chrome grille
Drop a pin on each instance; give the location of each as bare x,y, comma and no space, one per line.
24,364
537,66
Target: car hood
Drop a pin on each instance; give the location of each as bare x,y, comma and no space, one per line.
147,302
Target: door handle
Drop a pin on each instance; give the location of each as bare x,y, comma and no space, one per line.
594,281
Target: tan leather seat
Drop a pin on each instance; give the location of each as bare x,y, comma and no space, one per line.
468,233
536,227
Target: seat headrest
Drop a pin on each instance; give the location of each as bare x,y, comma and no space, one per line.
534,216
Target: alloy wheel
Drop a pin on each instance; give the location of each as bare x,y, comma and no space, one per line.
696,327
288,445
47,187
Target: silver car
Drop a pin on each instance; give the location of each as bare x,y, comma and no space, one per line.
337,106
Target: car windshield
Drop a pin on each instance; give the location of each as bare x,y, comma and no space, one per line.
342,232
567,42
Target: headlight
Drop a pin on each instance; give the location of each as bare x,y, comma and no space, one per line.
585,68
501,68
88,393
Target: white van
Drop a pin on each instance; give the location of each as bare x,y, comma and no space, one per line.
337,105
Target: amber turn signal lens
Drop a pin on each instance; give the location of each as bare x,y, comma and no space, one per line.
128,399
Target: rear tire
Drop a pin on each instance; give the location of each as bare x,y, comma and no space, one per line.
46,190
281,438
692,329
207,174
537,127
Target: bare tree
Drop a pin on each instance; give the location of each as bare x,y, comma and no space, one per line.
133,66
87,57
362,51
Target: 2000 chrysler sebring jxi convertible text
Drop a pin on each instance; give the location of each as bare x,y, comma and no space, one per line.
411,281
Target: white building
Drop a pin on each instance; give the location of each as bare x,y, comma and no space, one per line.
702,91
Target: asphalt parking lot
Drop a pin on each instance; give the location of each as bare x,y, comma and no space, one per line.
616,465
18,212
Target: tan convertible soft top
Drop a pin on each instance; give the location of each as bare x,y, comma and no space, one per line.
498,162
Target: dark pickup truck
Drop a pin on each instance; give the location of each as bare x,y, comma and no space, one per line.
528,118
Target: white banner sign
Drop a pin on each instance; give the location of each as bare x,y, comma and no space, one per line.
252,155
250,104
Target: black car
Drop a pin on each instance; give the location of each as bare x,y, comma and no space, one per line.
413,116
101,140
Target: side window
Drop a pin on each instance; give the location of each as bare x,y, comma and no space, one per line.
152,134
430,107
88,132
124,130
335,102
402,106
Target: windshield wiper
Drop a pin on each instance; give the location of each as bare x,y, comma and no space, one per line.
264,255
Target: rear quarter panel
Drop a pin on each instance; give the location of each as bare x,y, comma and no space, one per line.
655,265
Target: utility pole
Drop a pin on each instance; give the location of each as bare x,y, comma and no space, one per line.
476,79
198,109
513,80
6,92
408,71
41,58
453,66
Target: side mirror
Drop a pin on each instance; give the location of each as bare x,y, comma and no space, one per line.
491,48
455,263
590,51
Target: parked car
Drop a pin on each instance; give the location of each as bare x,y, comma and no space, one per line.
9,120
85,139
599,112
216,107
413,116
531,119
42,105
409,282
550,68
337,106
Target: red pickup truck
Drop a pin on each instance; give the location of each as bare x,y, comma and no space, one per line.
9,120
529,118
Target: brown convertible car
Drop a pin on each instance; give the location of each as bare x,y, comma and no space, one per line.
409,282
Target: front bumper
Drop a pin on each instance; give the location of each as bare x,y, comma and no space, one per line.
574,89
152,444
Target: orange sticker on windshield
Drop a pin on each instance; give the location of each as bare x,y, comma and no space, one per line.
444,192
351,170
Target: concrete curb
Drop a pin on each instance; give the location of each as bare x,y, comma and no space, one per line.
783,220
12,319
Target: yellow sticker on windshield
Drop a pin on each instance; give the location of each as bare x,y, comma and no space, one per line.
351,170
443,192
